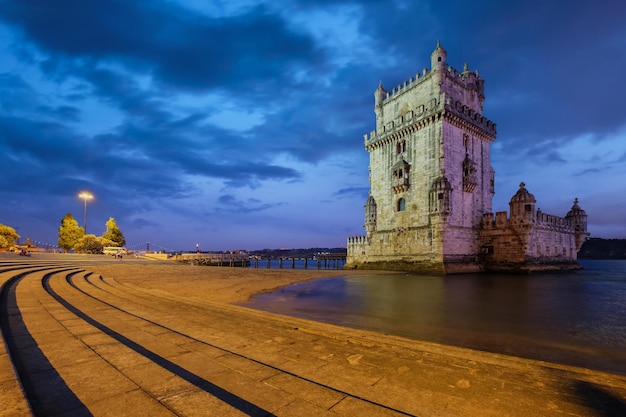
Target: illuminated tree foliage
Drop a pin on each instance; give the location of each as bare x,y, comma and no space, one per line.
7,236
106,242
69,232
113,233
88,244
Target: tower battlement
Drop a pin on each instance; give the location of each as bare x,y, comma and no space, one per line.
424,111
465,79
543,220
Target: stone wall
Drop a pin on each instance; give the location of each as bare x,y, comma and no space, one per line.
546,239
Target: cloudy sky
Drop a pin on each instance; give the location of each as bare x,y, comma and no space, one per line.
238,124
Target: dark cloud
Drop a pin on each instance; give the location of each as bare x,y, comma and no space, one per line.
178,48
63,113
591,171
15,93
545,153
143,223
231,205
361,192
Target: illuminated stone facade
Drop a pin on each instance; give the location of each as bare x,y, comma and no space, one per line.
432,185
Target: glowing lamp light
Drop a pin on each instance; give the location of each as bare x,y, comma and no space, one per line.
85,196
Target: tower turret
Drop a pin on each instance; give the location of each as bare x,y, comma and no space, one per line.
475,86
439,199
379,95
522,206
370,216
578,216
438,58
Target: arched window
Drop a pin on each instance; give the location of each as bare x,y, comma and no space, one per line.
401,204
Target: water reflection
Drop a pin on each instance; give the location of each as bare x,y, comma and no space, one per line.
574,318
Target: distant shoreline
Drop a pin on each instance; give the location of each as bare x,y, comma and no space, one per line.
597,249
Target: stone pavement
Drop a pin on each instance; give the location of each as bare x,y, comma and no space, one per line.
81,344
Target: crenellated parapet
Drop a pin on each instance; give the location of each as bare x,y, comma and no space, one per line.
358,240
403,125
539,220
472,118
427,113
385,95
493,221
469,80
357,247
458,96
552,222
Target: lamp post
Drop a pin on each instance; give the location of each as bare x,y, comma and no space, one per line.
85,196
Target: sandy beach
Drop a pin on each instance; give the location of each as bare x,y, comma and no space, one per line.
220,284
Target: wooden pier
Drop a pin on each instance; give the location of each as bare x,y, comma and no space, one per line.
214,259
320,261
243,260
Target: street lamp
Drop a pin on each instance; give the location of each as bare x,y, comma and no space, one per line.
85,196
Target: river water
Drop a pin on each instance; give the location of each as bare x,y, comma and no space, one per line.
574,318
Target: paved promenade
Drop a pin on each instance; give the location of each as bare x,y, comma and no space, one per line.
78,344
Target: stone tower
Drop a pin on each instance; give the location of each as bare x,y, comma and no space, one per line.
431,178
432,184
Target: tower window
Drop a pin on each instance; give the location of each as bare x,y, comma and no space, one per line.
470,176
438,59
400,177
401,204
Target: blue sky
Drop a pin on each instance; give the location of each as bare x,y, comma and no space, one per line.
239,124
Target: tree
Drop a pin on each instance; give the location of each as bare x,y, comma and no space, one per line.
69,232
8,235
106,242
88,244
113,233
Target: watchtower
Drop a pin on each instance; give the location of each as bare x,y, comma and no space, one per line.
431,178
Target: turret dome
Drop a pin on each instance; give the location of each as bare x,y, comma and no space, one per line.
523,196
576,210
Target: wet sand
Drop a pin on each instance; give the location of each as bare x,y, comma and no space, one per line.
221,284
